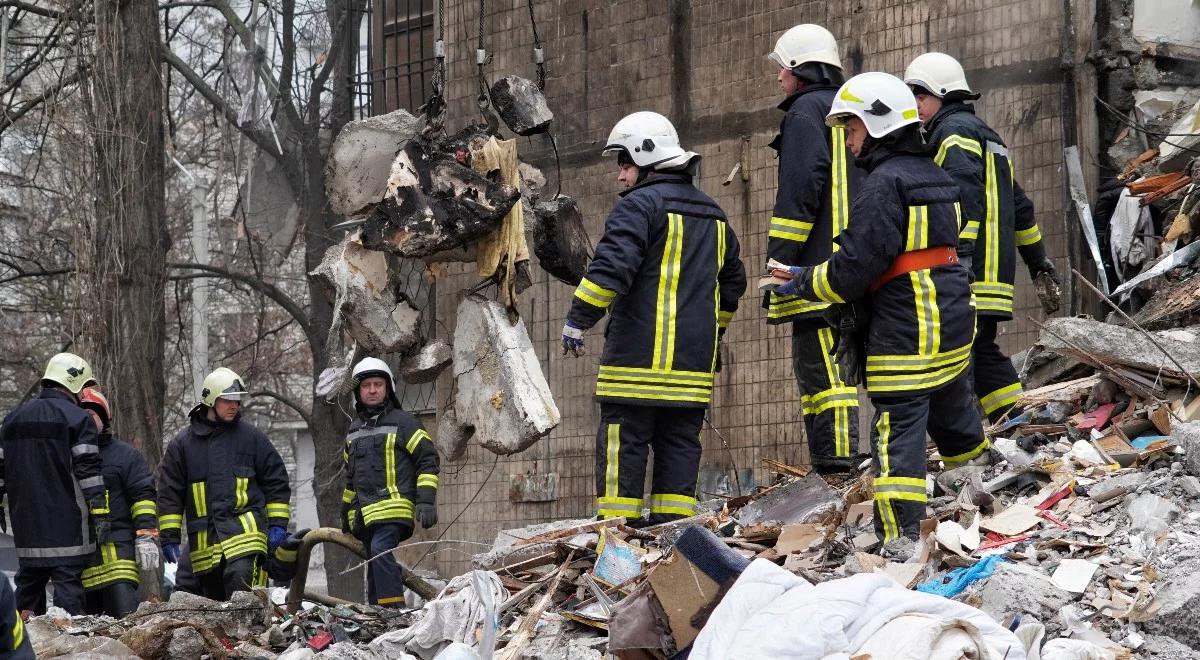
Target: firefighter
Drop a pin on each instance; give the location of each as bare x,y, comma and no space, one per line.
812,206
111,582
391,477
225,478
667,267
900,254
50,465
996,215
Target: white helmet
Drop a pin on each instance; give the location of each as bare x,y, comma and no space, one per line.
222,383
806,43
70,371
938,73
650,140
882,101
368,367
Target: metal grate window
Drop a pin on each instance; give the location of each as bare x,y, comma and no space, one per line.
400,55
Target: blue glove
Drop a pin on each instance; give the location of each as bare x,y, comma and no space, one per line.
275,536
790,289
171,552
572,340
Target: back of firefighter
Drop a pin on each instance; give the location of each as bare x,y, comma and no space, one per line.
111,582
817,180
667,270
997,217
50,465
222,481
900,253
391,470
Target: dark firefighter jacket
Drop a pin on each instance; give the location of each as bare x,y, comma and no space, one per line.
281,565
14,643
817,180
922,323
51,472
390,464
129,492
996,215
668,267
229,483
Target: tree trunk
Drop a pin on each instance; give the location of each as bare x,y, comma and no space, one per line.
125,280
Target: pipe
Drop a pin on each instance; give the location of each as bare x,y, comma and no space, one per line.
337,537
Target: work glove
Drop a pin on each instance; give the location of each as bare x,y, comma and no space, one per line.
1046,284
426,514
146,550
293,541
849,351
572,341
170,552
792,287
275,536
347,520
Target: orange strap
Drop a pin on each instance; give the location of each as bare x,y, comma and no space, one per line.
907,262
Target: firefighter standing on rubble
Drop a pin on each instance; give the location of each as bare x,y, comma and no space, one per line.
223,476
50,471
111,582
668,268
900,253
997,217
812,206
391,470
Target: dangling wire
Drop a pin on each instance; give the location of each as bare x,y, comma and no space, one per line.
481,60
539,56
435,107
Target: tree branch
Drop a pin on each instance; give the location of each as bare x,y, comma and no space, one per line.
267,289
287,402
318,84
260,138
11,116
33,9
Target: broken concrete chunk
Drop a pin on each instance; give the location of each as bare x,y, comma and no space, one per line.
521,105
364,294
187,644
1178,598
433,204
1161,647
360,160
1187,435
560,241
427,364
452,438
502,393
1116,346
1015,588
803,501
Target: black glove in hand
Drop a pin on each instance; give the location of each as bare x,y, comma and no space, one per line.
849,358
1044,266
427,514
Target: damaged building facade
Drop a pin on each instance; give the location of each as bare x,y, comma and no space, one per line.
703,65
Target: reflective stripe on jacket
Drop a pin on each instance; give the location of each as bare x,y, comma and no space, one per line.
667,270
130,496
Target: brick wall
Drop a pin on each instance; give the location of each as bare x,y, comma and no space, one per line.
702,63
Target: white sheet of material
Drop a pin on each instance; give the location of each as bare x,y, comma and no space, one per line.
771,613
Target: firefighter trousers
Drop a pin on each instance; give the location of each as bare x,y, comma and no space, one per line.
117,599
68,588
950,417
385,576
830,406
626,436
996,382
239,574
